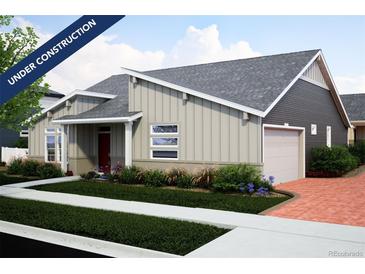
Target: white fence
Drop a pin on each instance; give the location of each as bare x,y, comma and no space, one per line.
10,153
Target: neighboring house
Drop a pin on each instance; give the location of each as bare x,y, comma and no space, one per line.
266,111
355,107
9,137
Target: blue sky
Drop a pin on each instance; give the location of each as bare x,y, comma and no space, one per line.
341,38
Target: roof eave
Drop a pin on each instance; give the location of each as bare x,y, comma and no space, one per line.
122,119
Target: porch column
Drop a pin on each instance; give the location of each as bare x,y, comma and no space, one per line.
64,145
128,143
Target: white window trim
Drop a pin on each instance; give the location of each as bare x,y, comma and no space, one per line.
159,158
329,136
164,133
164,146
316,129
57,133
24,133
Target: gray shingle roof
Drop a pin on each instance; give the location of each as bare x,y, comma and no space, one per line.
354,105
253,82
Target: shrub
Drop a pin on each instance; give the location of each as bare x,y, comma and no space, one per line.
90,175
155,178
358,150
184,181
131,175
49,170
21,143
336,160
29,168
15,167
204,178
233,178
2,163
173,174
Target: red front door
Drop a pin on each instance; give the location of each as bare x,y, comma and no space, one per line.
104,152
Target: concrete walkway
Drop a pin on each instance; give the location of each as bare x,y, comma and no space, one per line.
332,200
252,235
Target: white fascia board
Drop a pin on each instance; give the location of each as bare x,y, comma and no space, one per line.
79,92
291,84
193,92
335,88
335,92
99,120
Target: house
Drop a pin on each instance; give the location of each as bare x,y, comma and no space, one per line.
355,107
9,137
265,111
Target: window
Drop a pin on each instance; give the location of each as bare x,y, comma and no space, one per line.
328,135
164,142
24,133
313,129
53,148
164,129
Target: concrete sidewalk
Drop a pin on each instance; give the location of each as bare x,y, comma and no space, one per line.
252,235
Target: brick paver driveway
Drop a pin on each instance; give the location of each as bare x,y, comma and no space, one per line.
338,200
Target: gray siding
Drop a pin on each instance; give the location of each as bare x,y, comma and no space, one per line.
307,104
209,132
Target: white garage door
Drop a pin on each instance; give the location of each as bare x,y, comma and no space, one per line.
281,154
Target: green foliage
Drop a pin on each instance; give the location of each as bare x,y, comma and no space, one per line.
213,200
22,142
131,175
173,174
90,175
155,178
336,160
204,178
229,178
15,45
167,235
7,179
49,170
30,168
358,150
15,167
184,181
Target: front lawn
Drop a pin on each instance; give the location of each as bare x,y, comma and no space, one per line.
231,202
167,235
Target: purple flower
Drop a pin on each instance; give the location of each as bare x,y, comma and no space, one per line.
250,187
271,179
262,191
242,188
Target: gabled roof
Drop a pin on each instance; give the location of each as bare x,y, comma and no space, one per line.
355,106
253,85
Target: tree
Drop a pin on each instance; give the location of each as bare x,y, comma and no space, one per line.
15,44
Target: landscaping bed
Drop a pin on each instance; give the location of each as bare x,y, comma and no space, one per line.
6,179
166,235
213,200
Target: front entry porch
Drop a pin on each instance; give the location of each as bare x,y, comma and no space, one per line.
96,145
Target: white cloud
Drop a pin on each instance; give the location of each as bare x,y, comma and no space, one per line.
103,57
204,45
350,84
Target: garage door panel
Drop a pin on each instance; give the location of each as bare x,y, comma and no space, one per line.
281,154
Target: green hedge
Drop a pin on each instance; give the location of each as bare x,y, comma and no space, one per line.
358,150
336,160
34,168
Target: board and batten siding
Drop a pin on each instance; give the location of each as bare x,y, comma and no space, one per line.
305,104
314,73
209,133
80,153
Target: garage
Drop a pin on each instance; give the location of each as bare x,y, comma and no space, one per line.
283,152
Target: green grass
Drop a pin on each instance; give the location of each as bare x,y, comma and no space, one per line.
167,235
6,179
238,203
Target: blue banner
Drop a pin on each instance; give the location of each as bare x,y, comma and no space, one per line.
53,52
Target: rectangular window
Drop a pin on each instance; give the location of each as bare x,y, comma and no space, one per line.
53,148
313,129
164,154
164,142
164,129
24,133
328,135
